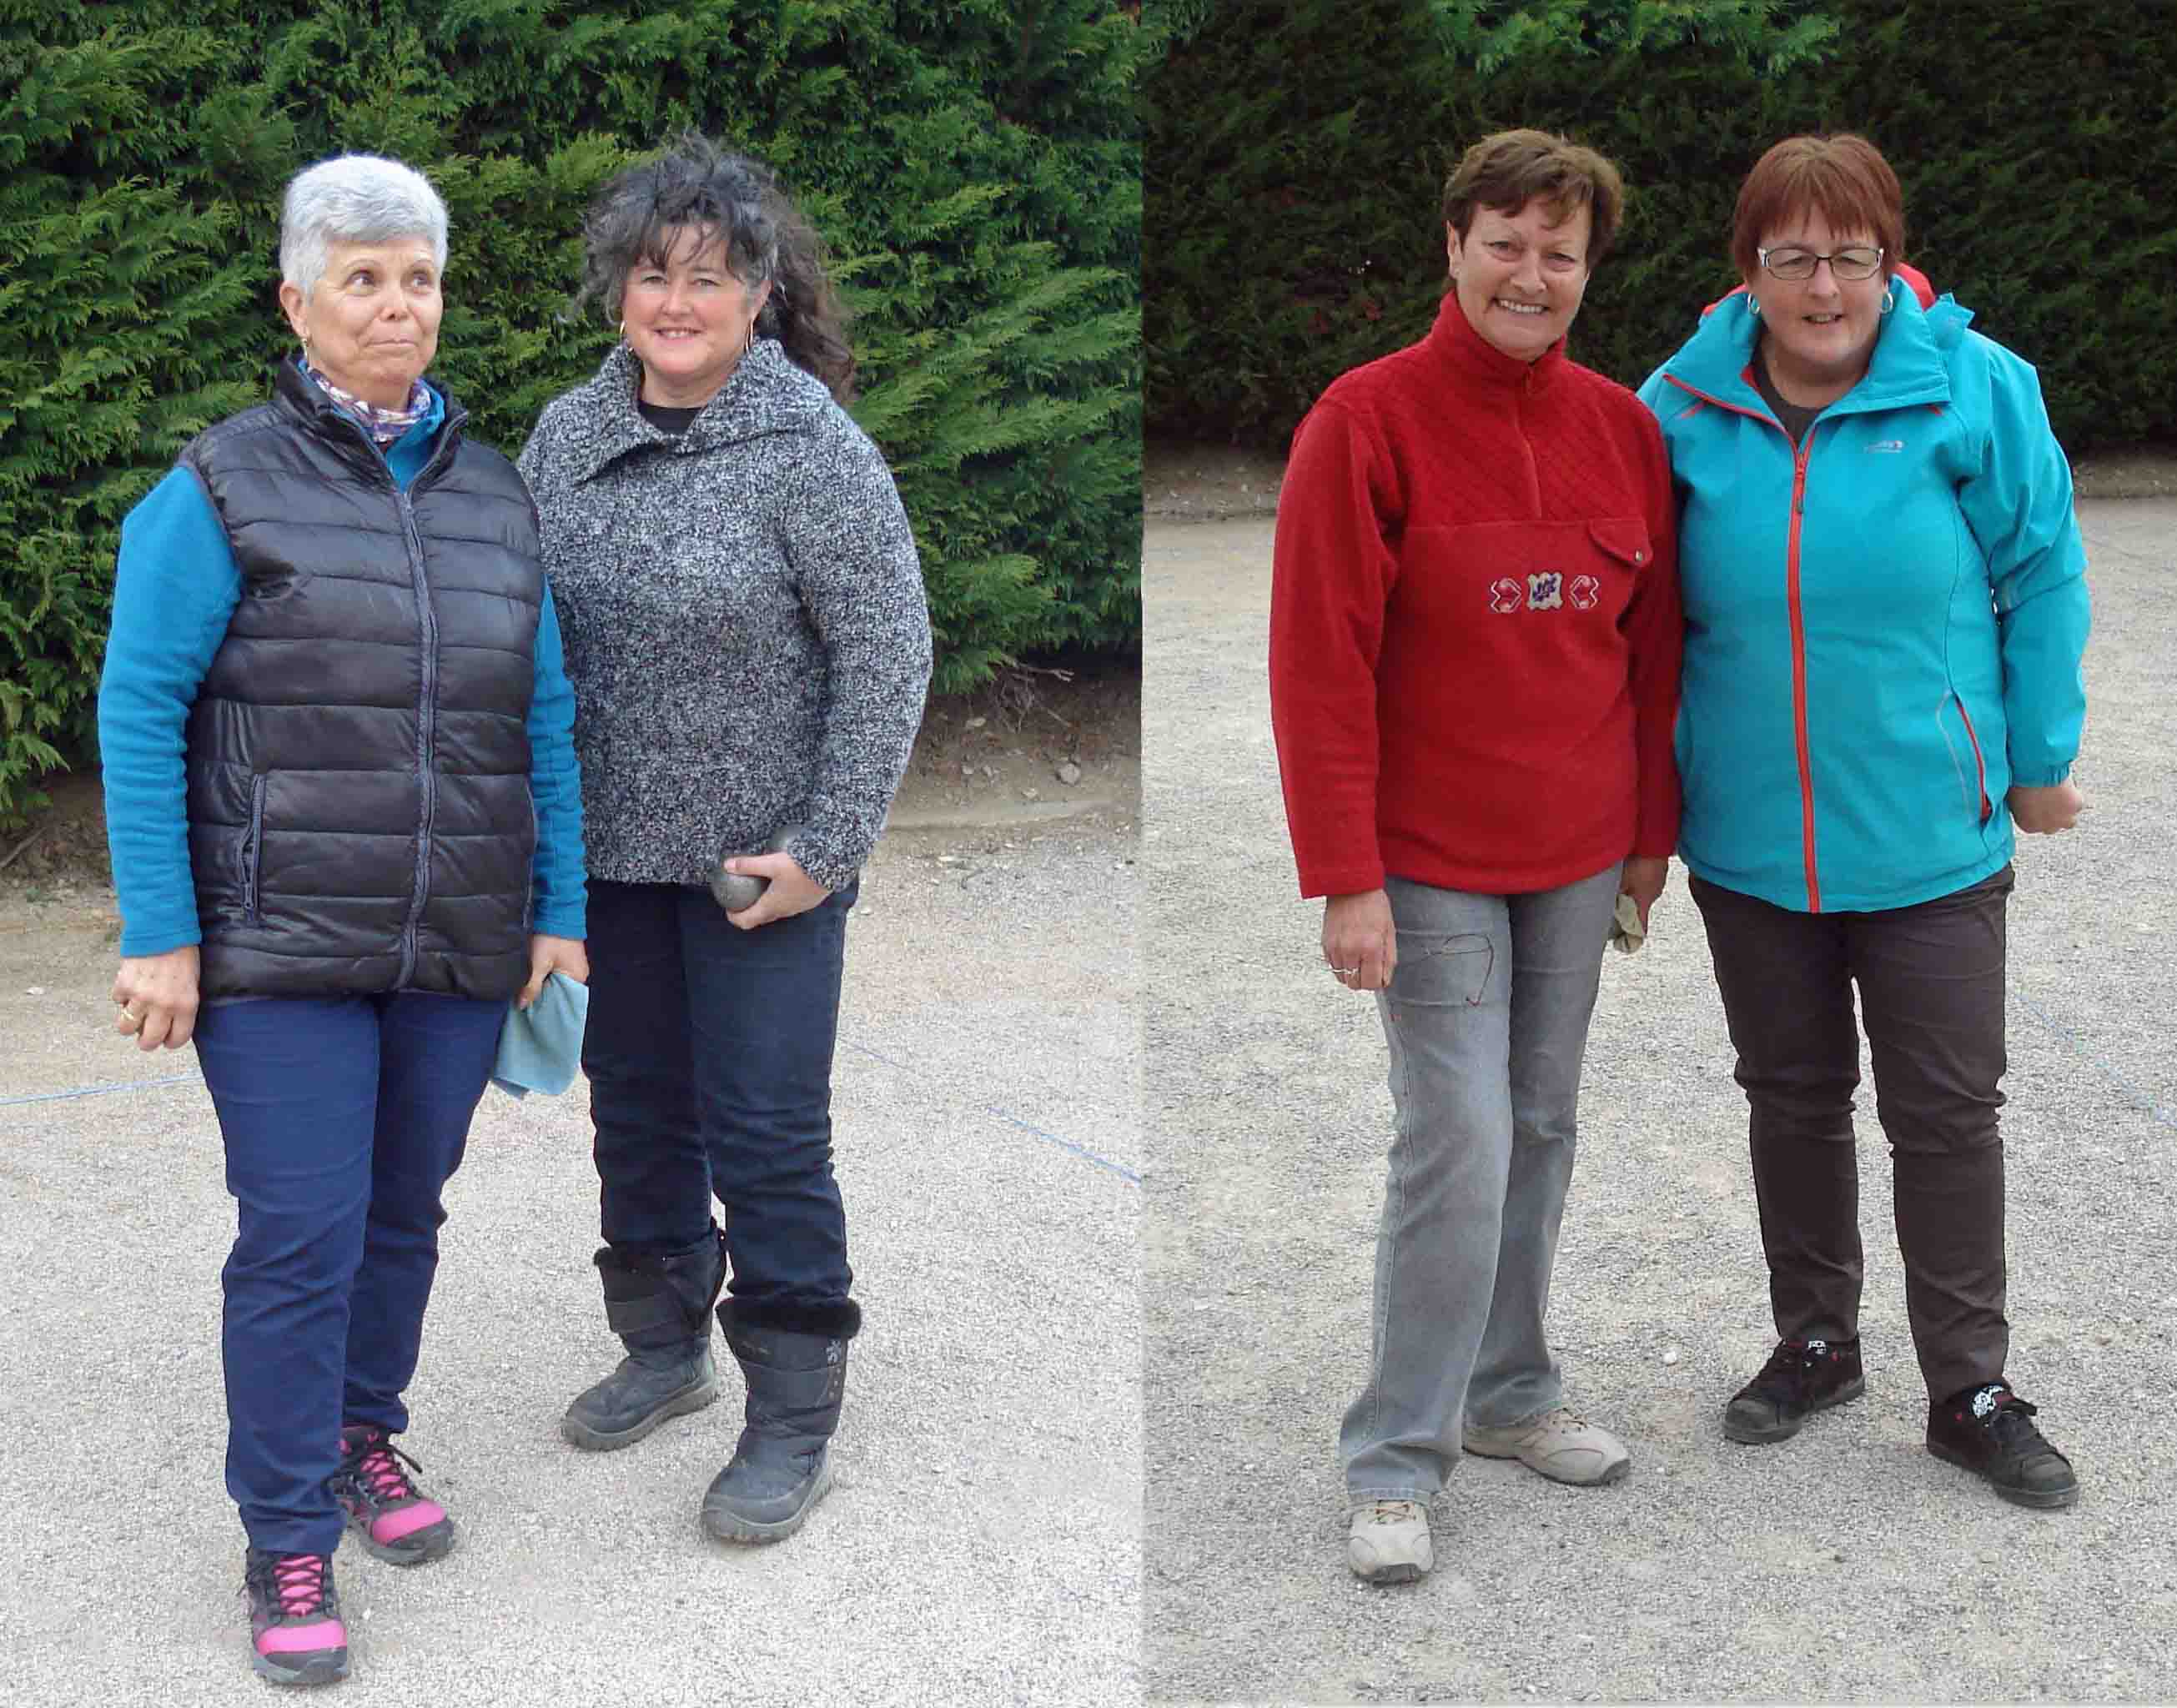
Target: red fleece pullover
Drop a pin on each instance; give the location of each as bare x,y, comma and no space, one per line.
1474,626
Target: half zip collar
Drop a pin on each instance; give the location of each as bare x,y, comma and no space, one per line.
1473,360
1908,369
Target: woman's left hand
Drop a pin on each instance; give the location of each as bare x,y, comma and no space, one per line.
550,955
791,890
1644,880
2046,811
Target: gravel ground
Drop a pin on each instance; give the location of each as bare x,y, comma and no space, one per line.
1846,1565
982,1545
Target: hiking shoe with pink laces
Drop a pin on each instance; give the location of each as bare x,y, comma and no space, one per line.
384,1507
295,1636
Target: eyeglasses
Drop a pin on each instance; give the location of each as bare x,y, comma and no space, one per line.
1856,262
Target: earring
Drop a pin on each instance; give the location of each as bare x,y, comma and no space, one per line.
1753,306
623,330
1889,297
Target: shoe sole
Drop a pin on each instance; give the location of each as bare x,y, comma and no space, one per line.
724,1525
1405,1573
319,1669
438,1543
2042,1500
580,1434
1748,1437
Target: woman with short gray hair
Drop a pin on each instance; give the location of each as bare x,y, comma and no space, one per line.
345,825
750,648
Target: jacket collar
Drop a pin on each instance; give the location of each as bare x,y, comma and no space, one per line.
1476,362
766,394
1910,365
295,389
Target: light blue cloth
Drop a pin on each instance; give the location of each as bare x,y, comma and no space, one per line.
540,1047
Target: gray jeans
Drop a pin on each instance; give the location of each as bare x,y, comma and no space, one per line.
1487,1018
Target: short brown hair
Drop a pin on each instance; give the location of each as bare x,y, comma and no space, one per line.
1844,178
1508,170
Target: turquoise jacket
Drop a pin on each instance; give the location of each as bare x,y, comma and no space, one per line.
1883,627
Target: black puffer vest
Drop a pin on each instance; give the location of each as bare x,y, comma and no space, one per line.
358,754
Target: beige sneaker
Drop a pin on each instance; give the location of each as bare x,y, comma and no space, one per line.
1560,1444
1388,1542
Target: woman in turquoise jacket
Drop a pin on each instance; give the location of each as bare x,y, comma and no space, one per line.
1885,609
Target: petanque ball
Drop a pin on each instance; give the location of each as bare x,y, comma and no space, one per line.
734,892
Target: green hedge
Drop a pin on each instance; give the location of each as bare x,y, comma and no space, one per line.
975,166
1296,154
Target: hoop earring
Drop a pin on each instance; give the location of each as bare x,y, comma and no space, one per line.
1752,307
623,330
1889,298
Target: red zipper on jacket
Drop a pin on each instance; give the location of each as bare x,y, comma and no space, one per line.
1798,636
1980,760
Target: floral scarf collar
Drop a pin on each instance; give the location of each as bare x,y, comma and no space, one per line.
383,425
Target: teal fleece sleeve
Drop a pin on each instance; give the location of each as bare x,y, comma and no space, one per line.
555,786
2019,507
175,589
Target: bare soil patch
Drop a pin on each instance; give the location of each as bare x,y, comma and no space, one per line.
1041,739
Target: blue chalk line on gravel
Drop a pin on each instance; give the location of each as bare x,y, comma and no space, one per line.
2145,1099
1011,1120
97,1090
1067,1145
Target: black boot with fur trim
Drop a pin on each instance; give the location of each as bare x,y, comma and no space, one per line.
660,1307
794,1357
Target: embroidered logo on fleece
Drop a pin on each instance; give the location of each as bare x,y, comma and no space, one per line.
1887,444
1545,591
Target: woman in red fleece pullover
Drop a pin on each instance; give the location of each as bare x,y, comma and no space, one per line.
1475,636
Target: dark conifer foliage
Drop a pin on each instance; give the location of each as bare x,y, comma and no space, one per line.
974,166
1296,153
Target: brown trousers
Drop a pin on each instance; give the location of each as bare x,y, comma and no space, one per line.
1930,979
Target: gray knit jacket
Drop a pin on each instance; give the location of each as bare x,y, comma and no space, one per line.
743,619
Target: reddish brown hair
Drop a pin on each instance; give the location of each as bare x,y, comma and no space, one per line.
1508,170
1843,178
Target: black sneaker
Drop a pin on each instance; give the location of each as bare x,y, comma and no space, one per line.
1801,1377
1990,1431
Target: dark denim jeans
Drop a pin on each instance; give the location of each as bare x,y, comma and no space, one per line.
343,1118
1930,979
709,1054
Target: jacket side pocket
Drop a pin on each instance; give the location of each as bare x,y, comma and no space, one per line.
253,851
1979,762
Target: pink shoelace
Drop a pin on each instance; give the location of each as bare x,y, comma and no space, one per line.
298,1585
381,1475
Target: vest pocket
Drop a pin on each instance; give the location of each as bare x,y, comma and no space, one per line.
252,849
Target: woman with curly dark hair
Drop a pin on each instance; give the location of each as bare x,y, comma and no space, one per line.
748,644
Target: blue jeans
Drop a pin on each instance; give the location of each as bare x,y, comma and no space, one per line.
709,1054
1487,1018
343,1118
